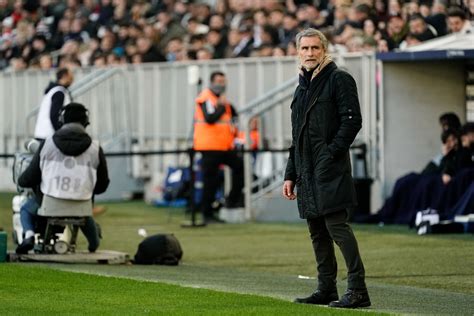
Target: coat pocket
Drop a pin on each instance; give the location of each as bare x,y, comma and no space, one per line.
327,168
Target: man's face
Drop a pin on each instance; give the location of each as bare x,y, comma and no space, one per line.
417,26
455,24
219,81
470,138
310,52
395,25
451,143
68,79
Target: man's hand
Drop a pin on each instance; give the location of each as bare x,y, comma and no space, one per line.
222,99
288,190
446,178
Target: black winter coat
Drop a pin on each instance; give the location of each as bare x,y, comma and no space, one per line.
325,120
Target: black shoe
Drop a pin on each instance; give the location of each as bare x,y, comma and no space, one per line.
26,245
319,297
213,220
235,204
353,299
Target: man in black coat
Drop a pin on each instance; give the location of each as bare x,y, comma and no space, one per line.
325,120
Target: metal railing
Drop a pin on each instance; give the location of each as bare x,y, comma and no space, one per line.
277,101
277,97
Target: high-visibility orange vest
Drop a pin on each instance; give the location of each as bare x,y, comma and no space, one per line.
254,138
217,136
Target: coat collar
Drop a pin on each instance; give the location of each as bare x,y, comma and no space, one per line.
319,72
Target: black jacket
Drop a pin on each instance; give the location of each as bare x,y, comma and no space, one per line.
325,120
461,158
71,141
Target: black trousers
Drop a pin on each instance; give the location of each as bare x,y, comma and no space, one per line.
326,230
210,168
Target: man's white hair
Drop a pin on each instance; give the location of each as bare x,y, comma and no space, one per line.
310,32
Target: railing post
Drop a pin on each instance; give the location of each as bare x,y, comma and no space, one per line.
247,171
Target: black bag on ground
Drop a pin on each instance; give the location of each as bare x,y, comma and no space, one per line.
159,249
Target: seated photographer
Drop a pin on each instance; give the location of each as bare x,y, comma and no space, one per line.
68,167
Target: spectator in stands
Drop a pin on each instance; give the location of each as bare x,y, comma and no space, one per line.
420,28
194,27
87,54
275,18
168,28
370,30
119,24
38,47
396,31
457,22
175,50
240,42
45,62
394,8
196,42
340,19
260,18
204,53
5,9
264,50
361,12
411,40
148,52
438,17
279,51
218,42
71,156
411,8
217,22
18,64
289,29
99,60
214,134
291,49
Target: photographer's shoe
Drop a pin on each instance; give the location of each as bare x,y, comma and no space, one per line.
26,245
353,299
319,298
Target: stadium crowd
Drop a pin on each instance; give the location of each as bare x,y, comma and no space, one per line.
43,34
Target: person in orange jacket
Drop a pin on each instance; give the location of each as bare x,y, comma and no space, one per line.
254,134
214,135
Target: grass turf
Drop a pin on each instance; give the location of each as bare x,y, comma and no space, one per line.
48,292
406,273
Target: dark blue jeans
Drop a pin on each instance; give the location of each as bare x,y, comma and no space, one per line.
28,212
29,219
91,231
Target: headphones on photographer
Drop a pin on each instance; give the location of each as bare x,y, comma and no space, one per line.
74,107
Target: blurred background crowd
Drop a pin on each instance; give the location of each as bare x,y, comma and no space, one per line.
45,34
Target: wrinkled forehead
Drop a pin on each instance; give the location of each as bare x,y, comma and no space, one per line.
306,41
